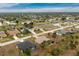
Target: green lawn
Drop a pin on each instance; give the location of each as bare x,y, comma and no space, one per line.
6,39
24,35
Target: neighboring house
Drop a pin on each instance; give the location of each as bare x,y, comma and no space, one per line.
13,32
2,34
1,24
71,20
56,24
28,22
9,23
26,45
35,28
41,39
60,32
2,20
24,30
50,20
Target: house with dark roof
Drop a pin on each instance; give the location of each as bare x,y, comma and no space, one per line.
26,45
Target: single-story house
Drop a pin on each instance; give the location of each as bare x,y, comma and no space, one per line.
60,32
56,24
41,39
26,45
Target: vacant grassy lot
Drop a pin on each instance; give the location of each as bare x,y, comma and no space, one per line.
9,50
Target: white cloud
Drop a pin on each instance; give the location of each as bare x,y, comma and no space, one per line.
6,5
4,8
55,9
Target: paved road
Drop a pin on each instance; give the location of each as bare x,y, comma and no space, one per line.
41,29
55,30
15,37
13,41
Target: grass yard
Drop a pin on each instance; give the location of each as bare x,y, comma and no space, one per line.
6,39
24,35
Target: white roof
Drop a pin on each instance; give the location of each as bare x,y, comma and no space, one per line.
56,24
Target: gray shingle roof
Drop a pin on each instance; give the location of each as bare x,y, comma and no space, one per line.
26,45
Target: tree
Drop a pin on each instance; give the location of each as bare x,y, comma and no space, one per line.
27,52
72,45
25,25
54,35
56,51
17,21
30,25
76,37
63,18
77,53
45,44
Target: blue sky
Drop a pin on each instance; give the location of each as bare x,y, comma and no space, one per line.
39,7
